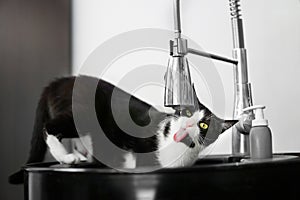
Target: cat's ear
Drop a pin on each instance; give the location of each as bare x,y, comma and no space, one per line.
197,103
227,124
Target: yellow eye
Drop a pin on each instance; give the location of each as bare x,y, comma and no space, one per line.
203,125
188,113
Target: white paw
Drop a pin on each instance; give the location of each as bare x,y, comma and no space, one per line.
81,157
70,159
130,161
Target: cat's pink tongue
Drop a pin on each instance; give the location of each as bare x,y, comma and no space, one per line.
180,135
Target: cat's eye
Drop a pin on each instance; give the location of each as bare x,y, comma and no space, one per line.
203,125
188,113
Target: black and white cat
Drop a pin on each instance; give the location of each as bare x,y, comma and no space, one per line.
176,139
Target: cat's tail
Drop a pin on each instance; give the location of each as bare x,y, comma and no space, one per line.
38,144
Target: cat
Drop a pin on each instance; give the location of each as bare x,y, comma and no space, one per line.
186,132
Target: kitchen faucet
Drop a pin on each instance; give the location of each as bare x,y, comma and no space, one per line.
179,90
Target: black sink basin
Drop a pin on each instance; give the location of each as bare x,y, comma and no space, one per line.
221,176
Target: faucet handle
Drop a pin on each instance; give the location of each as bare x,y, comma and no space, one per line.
245,123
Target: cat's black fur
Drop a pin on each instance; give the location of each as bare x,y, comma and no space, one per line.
54,114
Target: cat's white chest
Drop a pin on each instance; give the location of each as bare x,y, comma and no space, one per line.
178,155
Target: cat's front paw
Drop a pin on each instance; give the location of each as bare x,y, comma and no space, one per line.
70,159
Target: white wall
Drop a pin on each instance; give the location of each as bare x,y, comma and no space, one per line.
272,35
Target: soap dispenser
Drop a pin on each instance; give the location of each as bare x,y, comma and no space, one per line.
260,135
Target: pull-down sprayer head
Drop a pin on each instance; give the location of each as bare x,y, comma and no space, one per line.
179,91
178,88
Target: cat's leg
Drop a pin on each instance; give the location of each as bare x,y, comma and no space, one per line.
57,129
58,151
84,147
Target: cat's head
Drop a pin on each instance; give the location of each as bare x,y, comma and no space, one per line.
199,124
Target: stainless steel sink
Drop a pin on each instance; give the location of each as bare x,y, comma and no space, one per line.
221,176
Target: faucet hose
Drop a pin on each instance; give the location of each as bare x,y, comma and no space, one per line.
235,10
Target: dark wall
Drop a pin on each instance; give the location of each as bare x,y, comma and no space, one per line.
34,48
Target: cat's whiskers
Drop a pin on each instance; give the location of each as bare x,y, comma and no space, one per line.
201,140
